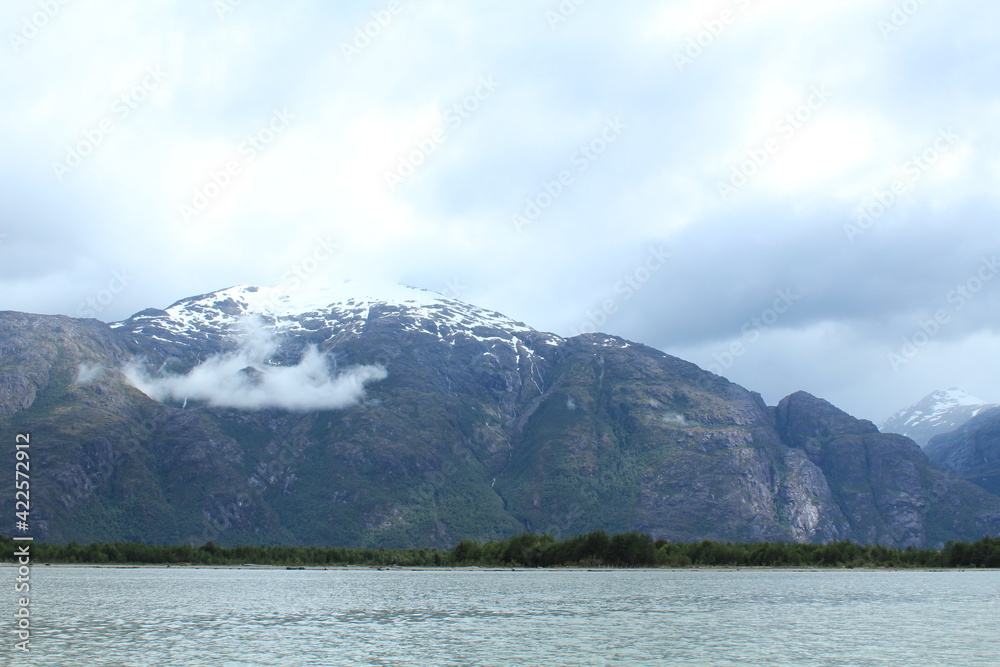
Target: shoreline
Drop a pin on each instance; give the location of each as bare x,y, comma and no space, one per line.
476,568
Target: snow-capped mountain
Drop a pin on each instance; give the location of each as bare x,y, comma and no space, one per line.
254,341
347,308
395,416
939,412
186,332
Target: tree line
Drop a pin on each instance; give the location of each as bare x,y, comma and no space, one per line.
595,549
635,549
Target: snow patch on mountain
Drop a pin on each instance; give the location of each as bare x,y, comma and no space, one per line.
347,306
950,398
940,412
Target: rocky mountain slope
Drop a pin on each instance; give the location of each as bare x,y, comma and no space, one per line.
396,418
940,412
972,451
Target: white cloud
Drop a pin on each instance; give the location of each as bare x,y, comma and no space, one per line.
87,373
245,379
323,177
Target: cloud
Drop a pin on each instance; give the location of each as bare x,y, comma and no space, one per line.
245,379
87,373
891,91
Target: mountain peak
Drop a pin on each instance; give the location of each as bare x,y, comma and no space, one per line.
345,306
325,317
939,412
802,418
951,397
293,299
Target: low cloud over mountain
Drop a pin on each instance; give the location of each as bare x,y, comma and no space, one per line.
247,379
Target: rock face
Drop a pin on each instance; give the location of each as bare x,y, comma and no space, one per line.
882,483
479,427
935,414
972,451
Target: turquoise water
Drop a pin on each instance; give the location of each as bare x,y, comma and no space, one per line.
89,617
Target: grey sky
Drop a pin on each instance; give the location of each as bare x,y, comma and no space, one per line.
539,159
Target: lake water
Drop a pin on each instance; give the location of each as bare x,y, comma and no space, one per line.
91,617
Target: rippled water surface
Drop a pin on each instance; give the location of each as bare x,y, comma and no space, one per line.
89,617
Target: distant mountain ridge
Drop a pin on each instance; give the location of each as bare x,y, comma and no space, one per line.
972,451
397,417
937,413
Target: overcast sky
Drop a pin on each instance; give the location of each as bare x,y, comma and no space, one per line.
796,195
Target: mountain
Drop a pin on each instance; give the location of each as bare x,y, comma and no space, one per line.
972,451
398,417
939,412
